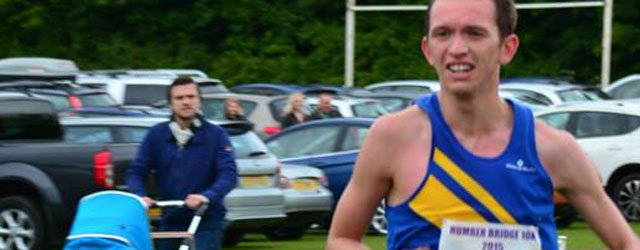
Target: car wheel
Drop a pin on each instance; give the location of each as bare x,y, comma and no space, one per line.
21,224
285,233
626,195
232,237
379,220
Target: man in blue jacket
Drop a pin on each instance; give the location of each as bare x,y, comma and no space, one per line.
193,161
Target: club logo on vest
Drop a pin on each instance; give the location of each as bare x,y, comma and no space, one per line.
519,166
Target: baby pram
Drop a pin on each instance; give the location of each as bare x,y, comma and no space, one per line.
117,220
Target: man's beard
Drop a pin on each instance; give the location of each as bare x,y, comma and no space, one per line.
184,118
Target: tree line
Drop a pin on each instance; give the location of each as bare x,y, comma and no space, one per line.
301,41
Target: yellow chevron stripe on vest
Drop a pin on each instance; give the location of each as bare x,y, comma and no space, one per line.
435,202
471,186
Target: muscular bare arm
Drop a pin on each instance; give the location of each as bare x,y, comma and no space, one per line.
575,176
368,185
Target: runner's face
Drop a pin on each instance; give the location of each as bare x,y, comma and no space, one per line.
464,45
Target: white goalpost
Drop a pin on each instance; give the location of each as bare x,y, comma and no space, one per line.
352,8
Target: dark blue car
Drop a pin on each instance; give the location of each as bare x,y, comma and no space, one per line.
329,144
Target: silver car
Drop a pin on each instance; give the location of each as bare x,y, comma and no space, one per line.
307,201
256,202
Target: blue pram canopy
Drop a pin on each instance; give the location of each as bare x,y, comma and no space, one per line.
110,220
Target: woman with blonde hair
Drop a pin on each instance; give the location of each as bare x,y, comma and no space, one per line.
293,112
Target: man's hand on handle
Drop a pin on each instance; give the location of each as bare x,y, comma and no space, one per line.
194,201
148,201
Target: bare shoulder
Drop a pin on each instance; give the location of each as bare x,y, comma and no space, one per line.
401,126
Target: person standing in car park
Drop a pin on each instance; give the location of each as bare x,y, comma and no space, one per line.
233,110
193,161
324,109
293,111
464,164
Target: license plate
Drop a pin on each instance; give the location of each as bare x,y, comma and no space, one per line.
254,181
304,185
154,213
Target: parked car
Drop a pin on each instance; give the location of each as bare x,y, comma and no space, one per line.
407,86
256,202
551,94
264,111
42,178
627,87
609,133
331,145
63,95
144,91
391,101
307,201
353,107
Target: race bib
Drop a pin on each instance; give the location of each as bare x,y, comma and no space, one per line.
456,235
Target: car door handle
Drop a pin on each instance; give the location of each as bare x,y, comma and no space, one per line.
614,148
316,163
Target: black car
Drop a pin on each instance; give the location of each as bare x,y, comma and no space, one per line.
62,95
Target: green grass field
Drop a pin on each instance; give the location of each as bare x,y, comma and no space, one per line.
580,237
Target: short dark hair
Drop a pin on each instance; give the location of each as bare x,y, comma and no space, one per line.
179,82
506,17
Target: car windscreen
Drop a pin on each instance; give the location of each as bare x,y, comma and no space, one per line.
368,109
213,108
144,94
211,87
97,100
596,94
247,144
572,95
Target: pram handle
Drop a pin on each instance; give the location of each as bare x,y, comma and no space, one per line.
178,203
170,203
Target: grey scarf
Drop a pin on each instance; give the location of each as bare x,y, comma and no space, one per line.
182,135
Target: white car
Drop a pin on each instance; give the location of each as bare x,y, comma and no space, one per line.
625,88
548,94
353,107
407,86
609,133
144,91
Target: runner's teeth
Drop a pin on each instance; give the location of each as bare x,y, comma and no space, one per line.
460,67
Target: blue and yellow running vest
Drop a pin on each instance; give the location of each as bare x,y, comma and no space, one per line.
512,188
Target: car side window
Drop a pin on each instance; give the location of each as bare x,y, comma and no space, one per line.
354,137
132,134
556,120
592,124
59,101
144,94
312,141
87,134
